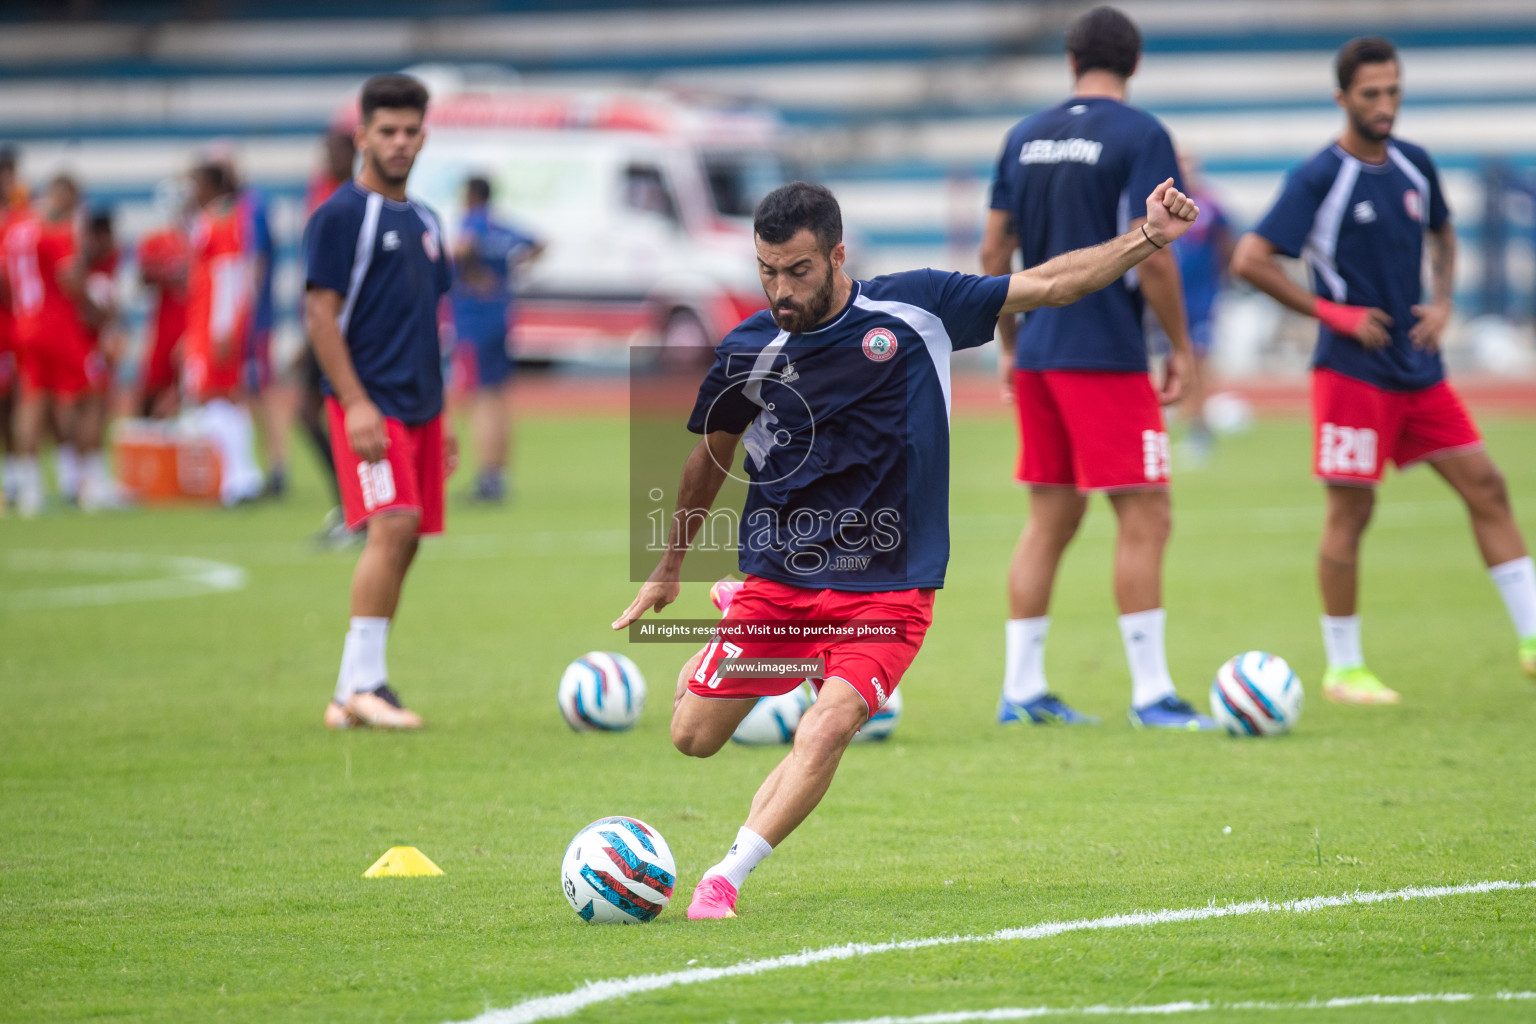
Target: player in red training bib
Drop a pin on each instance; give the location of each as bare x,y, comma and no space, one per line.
220,297
95,285
13,203
164,257
375,269
1361,214
1089,416
839,397
51,354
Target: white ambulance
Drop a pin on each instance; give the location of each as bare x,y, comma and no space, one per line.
644,202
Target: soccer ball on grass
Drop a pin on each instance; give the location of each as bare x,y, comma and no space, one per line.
1256,694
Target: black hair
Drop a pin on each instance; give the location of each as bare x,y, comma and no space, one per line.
100,220
216,175
479,189
788,209
393,92
65,180
1105,39
1358,51
8,157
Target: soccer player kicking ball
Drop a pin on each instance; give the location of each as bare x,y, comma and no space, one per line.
840,395
375,270
1360,213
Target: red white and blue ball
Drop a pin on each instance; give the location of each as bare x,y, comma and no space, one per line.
601,690
618,871
1256,694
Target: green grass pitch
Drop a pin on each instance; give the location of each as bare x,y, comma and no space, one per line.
180,840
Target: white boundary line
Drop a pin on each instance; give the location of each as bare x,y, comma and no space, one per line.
173,576
1165,1009
593,992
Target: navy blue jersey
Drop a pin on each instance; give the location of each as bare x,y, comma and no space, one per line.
1360,227
386,259
1073,176
846,431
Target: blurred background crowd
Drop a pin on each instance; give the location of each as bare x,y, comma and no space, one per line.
599,160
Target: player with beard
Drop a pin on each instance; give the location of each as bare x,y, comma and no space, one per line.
839,393
375,270
1361,214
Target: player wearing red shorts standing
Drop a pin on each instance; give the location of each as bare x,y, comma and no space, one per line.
53,361
840,395
163,259
375,269
220,305
13,201
1089,417
95,283
1361,213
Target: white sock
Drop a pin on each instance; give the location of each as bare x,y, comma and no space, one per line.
362,657
230,429
1516,581
66,470
1142,633
1024,659
746,853
8,476
29,485
1341,639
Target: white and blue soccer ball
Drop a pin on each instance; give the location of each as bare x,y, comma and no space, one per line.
773,720
1256,694
601,690
618,871
883,722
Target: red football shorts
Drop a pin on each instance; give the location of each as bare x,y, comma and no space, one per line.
408,479
1357,427
872,668
1095,430
52,356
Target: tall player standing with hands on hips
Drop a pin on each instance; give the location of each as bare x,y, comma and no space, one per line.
841,393
1361,214
1089,419
375,269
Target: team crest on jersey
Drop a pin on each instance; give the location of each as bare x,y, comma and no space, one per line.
429,245
1414,204
879,344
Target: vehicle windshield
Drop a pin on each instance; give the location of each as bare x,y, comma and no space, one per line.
738,180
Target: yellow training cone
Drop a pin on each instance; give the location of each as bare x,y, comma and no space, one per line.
402,862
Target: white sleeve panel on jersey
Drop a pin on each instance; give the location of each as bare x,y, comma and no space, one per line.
364,256
928,327
758,437
1323,241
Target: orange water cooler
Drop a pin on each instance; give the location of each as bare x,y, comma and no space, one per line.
161,461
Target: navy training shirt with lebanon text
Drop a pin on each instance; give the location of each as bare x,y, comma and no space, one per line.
1073,176
1360,228
846,431
387,260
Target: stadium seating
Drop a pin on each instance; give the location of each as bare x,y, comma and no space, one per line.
901,107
